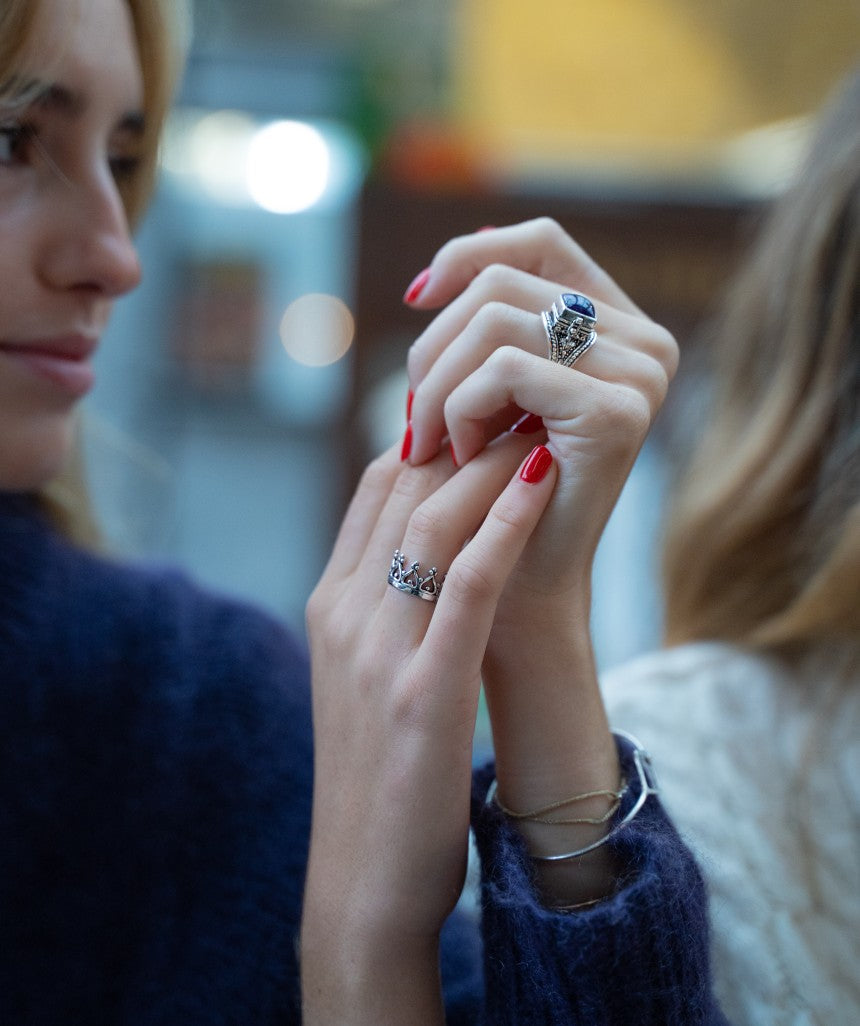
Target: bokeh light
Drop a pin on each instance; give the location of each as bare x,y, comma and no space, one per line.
288,167
217,154
317,330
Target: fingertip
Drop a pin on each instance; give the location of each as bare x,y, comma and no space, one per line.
537,465
417,287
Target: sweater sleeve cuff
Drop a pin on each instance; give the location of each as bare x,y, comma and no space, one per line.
642,954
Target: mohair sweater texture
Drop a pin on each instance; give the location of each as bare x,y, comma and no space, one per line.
155,791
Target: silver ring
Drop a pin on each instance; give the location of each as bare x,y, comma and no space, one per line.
570,328
411,581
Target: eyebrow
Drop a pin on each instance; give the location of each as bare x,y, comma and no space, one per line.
53,97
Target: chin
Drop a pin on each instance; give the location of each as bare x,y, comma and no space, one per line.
32,457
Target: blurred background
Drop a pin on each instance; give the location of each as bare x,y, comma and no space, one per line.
320,152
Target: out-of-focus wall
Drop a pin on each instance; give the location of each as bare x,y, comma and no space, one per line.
654,78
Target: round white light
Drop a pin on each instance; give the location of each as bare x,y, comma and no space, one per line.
217,153
317,330
288,167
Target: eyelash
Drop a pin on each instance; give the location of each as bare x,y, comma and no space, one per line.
124,169
14,137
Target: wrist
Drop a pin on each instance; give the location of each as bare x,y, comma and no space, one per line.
356,974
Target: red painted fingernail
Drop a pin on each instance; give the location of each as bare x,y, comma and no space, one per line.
487,228
454,456
528,424
536,466
407,444
418,285
409,399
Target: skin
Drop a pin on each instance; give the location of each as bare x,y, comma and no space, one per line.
65,248
393,749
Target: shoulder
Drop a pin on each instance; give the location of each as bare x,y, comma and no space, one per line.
119,676
691,685
757,760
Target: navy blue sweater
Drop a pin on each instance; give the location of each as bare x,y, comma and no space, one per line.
155,786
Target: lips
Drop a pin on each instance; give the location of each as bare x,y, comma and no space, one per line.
62,361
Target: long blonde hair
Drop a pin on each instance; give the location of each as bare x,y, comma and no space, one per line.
155,25
763,547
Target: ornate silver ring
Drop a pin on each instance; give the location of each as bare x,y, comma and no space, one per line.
411,581
570,328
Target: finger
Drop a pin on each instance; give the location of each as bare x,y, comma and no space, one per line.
464,613
363,512
410,487
615,357
572,404
437,530
541,247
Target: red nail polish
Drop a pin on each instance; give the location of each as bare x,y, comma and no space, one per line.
487,228
536,466
417,287
528,424
409,399
407,444
454,456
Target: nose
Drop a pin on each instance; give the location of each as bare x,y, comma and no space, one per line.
88,246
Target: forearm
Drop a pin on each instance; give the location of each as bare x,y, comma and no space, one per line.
353,979
552,741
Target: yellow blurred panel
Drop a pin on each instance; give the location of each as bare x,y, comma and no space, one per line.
553,77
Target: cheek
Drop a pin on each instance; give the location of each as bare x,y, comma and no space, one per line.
18,240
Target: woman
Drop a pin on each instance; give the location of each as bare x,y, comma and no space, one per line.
756,729
156,752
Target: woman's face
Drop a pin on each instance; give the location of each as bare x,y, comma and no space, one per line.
65,249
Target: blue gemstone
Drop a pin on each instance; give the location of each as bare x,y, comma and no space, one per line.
578,304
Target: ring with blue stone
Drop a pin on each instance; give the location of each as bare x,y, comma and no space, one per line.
570,328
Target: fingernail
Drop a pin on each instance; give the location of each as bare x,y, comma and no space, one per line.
528,424
407,444
454,456
487,228
418,285
536,466
409,399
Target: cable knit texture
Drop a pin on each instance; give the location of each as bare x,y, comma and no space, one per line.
759,762
155,785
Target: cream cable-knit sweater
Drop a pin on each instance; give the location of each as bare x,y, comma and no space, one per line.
759,766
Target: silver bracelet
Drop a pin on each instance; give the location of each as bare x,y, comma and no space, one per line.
647,787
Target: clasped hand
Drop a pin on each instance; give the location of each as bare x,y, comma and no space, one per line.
396,680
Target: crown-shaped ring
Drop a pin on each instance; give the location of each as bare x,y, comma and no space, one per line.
411,581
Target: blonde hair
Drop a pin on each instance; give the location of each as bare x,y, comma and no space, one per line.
763,547
156,24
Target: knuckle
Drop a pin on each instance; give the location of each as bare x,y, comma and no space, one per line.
490,317
409,704
377,475
427,522
469,581
666,349
508,360
627,412
494,278
550,230
414,484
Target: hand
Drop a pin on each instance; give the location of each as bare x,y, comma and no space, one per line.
483,361
476,368
395,691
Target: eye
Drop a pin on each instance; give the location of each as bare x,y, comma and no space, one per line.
125,169
14,140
